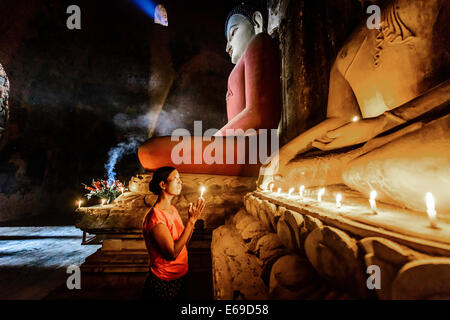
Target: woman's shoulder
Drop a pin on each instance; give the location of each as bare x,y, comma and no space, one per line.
154,216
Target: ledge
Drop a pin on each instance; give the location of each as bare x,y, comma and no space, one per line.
401,225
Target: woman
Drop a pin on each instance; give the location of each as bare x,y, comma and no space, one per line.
166,238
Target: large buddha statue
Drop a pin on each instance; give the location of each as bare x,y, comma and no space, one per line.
253,97
382,79
253,101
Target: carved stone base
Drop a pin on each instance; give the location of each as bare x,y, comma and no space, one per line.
251,262
342,253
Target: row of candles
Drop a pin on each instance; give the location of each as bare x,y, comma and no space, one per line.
429,199
103,201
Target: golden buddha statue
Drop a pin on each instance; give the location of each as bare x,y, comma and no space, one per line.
382,79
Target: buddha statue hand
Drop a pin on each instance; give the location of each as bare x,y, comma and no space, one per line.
270,171
351,133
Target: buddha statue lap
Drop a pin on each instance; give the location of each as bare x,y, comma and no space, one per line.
382,80
253,101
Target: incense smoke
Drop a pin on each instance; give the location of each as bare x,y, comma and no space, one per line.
138,129
116,153
134,139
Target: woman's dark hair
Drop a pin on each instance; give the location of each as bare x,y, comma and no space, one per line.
161,174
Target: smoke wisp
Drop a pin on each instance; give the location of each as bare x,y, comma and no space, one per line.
116,153
138,129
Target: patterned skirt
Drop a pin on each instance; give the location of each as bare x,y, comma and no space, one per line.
167,290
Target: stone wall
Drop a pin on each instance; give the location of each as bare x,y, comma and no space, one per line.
286,254
252,262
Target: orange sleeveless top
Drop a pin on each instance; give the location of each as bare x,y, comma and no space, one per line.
162,268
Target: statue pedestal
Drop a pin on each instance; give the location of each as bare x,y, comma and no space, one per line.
344,245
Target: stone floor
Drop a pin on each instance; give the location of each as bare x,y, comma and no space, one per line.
33,260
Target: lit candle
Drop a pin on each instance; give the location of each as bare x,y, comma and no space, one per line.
373,203
290,191
203,190
300,191
320,194
79,203
355,119
271,187
122,189
279,190
103,202
338,200
431,210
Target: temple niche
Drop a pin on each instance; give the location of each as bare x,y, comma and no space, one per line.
161,15
359,187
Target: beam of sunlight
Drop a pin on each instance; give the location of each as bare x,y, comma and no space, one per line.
147,6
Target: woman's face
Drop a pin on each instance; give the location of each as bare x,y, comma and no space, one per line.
173,184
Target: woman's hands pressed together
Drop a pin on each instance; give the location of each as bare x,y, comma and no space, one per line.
196,210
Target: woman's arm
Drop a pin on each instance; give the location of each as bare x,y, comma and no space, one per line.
169,248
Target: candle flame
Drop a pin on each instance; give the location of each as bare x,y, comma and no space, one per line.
300,190
202,191
373,203
320,194
279,190
338,200
103,201
271,187
79,203
355,119
290,191
431,208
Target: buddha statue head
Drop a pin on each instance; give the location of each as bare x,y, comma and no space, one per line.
243,23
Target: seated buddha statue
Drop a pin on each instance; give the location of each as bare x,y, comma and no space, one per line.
382,79
253,100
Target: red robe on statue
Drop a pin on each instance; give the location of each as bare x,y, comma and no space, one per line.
253,102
